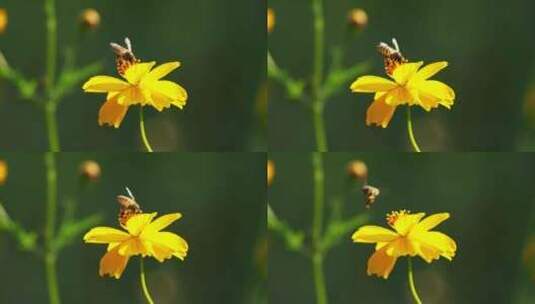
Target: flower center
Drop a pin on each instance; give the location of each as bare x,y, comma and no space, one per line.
393,216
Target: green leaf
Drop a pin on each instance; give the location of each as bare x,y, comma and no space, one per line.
71,79
338,230
339,79
70,231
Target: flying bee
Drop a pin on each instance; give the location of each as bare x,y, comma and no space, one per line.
124,56
129,207
392,56
370,194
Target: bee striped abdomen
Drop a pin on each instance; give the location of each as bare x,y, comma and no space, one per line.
392,57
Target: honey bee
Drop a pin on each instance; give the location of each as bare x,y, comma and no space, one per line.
392,56
370,194
124,56
129,207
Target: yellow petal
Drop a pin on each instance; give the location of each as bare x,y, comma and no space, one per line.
380,113
432,221
113,264
163,70
133,246
403,73
401,246
138,222
168,240
112,113
437,89
370,84
162,222
104,84
104,235
373,234
137,71
405,222
399,96
381,264
437,243
170,89
131,96
430,70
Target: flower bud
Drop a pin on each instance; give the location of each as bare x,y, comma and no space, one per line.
3,20
270,20
90,18
358,170
90,170
270,172
358,18
3,172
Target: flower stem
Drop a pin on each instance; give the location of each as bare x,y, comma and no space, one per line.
317,78
142,130
52,127
143,283
411,133
317,222
51,210
411,283
51,58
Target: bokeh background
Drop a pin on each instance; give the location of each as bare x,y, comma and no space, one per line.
489,45
489,196
221,197
221,45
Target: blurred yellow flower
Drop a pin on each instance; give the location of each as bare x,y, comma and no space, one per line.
410,86
143,237
3,20
270,172
142,86
411,237
3,172
270,20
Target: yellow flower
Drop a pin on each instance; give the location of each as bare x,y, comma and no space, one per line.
143,237
3,172
410,86
142,86
270,20
3,20
411,236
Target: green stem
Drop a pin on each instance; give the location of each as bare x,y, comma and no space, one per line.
51,127
411,133
143,283
51,58
142,130
317,78
411,283
50,224
317,223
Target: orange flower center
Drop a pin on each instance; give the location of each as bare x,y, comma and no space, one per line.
393,216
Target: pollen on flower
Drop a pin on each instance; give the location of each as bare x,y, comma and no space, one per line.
393,216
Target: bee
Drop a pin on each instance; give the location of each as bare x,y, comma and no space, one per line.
124,56
370,194
129,207
392,56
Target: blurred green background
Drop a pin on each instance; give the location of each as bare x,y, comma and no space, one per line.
221,197
489,196
221,45
489,45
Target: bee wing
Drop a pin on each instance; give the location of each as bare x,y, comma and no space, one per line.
117,49
128,44
126,202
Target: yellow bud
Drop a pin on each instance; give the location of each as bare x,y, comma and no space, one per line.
3,172
90,18
270,20
358,18
270,172
358,170
3,20
90,170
